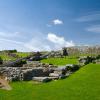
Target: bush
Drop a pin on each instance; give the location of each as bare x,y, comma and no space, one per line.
98,57
21,63
1,61
73,68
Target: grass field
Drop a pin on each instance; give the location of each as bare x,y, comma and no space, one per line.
82,85
22,54
5,56
60,61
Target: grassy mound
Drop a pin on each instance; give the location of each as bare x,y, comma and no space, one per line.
82,85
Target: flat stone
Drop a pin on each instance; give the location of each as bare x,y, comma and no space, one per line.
54,75
53,78
41,79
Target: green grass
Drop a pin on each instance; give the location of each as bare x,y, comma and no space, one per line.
22,54
4,56
82,85
60,61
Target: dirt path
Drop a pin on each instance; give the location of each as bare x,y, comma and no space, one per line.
4,84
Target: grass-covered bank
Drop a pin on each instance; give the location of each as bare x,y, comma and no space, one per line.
82,85
13,56
60,61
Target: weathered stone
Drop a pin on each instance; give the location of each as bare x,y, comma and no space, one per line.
60,70
53,78
72,67
56,54
54,75
57,75
41,79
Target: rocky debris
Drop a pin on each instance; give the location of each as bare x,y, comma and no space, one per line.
37,64
54,75
41,79
96,61
53,78
68,73
83,60
13,55
10,73
72,67
60,70
89,59
58,76
21,73
37,56
32,64
37,69
55,54
16,63
35,72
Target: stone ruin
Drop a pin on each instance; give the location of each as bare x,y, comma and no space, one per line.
55,54
29,68
89,59
37,71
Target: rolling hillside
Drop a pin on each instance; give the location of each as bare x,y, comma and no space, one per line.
82,85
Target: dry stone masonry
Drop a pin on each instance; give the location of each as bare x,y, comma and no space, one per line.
37,71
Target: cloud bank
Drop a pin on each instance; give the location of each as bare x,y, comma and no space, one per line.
39,42
48,42
59,41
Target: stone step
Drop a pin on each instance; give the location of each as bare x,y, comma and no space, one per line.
41,79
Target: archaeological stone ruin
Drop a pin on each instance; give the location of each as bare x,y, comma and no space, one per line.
34,70
30,68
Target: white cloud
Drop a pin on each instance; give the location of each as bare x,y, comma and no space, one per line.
47,42
37,45
55,39
9,35
39,42
10,41
94,28
89,17
57,22
59,42
6,44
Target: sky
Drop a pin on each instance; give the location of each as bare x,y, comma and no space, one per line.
35,25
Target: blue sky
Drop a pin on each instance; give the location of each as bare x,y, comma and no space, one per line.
34,25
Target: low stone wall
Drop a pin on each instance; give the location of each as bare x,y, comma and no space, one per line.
35,69
27,73
37,64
